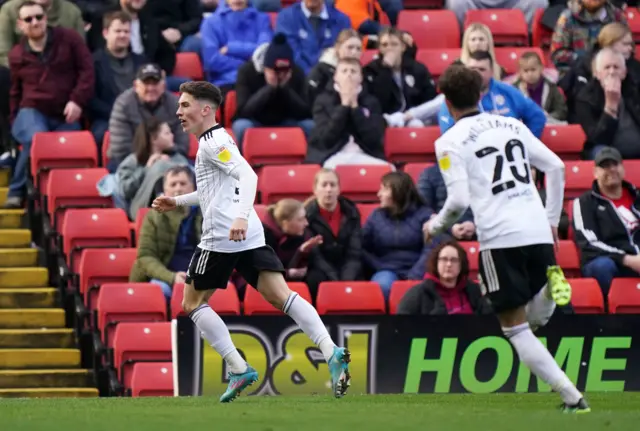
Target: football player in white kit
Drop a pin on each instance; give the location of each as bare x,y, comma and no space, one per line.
233,238
485,161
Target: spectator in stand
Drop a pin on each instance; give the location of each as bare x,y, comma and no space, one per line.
366,16
148,98
446,289
605,221
168,239
433,191
285,231
115,69
392,241
337,220
542,91
528,7
94,9
59,13
311,26
272,93
577,30
499,98
616,36
608,108
348,45
43,105
349,126
398,82
146,37
478,37
154,153
179,21
229,39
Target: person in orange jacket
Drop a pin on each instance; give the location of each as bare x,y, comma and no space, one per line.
366,16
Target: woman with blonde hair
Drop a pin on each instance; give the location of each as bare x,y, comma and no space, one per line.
285,232
348,45
617,36
478,37
337,220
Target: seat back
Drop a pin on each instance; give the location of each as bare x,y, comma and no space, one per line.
431,28
586,296
255,304
274,145
508,57
416,169
223,301
508,26
365,211
398,290
624,296
437,60
361,183
103,265
411,144
566,141
152,379
350,297
293,181
188,65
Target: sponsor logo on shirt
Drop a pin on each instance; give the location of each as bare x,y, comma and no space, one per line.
444,162
224,155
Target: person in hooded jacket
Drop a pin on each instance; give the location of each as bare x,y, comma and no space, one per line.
446,288
348,45
349,127
337,220
285,232
399,82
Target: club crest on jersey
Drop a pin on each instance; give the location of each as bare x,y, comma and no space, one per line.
224,155
444,162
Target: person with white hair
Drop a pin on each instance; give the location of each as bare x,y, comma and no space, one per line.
608,107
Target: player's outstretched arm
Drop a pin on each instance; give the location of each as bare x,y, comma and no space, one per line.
168,203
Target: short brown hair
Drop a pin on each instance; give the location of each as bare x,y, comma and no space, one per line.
118,15
461,86
202,90
530,55
351,61
27,4
432,261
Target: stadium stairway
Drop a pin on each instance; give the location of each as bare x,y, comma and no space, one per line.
38,355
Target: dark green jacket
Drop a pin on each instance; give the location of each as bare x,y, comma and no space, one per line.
157,243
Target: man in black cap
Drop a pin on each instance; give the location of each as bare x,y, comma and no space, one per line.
148,98
270,93
605,221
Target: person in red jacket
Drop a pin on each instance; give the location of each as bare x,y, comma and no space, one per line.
52,80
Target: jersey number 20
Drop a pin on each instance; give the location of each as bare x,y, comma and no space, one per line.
498,184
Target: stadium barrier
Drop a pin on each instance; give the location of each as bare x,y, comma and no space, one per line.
403,354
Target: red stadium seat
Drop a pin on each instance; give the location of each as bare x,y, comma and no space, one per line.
261,211
223,301
128,302
273,16
586,296
540,35
566,141
624,296
93,228
473,254
193,147
142,213
568,207
415,169
274,145
255,304
632,171
579,178
633,21
106,140
152,379
361,183
431,28
437,60
230,106
139,342
405,144
568,258
508,57
103,265
188,65
368,55
74,188
398,290
293,181
365,211
350,297
508,26
58,150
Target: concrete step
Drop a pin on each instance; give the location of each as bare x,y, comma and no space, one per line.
18,257
15,238
50,393
20,379
29,297
23,277
34,318
11,219
14,359
60,338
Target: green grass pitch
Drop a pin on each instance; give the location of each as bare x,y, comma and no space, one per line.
495,412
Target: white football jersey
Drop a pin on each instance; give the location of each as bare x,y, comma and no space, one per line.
494,155
218,193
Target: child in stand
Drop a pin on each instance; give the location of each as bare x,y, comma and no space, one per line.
545,93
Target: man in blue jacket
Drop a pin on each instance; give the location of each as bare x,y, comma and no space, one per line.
499,98
229,38
311,26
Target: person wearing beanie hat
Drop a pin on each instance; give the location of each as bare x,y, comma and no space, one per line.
270,91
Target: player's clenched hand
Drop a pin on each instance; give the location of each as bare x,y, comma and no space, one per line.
238,230
163,204
426,231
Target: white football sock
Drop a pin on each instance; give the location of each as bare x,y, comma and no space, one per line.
309,321
217,334
540,309
538,359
